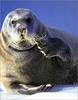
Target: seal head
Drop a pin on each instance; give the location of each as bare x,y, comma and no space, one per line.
19,29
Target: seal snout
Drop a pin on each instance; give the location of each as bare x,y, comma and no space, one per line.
21,28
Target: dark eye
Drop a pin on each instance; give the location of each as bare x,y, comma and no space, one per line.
13,22
28,20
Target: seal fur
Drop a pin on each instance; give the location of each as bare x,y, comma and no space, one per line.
33,55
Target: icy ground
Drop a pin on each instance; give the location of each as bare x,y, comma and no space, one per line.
63,92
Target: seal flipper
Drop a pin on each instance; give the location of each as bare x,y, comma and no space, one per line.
55,47
22,88
59,49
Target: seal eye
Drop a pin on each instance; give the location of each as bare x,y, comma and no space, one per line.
28,21
13,22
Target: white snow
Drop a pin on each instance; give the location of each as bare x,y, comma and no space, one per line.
62,92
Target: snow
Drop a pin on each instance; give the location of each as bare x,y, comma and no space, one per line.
62,92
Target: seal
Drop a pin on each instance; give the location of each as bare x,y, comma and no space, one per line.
34,57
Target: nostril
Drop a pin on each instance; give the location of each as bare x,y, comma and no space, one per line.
21,29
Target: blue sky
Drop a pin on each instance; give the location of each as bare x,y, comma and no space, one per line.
61,14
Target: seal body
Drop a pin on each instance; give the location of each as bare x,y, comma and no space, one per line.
32,55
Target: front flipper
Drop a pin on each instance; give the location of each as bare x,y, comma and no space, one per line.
22,88
51,47
29,89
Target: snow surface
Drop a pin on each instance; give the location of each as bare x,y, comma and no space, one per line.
62,92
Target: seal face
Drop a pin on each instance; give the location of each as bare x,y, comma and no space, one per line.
34,57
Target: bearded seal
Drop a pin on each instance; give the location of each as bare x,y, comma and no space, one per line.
34,57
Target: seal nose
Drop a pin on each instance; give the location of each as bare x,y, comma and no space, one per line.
21,28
